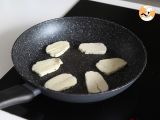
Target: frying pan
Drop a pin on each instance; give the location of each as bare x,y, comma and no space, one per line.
30,48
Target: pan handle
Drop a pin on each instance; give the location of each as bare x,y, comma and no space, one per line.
17,94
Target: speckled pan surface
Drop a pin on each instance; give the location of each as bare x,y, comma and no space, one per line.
30,47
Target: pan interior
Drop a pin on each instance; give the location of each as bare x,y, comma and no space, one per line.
30,48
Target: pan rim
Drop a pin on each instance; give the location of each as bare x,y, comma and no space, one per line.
86,94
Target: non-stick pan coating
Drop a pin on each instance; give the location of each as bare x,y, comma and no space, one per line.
30,47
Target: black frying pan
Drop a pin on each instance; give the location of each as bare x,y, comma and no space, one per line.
30,47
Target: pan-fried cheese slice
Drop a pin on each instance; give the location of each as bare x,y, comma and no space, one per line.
45,67
92,48
58,48
95,82
61,82
109,66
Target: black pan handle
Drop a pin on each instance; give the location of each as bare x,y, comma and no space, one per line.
17,95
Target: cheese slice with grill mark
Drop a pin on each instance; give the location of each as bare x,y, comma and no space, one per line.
58,48
92,48
95,82
109,66
47,66
61,82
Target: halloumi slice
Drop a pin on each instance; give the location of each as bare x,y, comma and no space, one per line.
61,82
95,82
92,48
109,66
58,48
47,66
